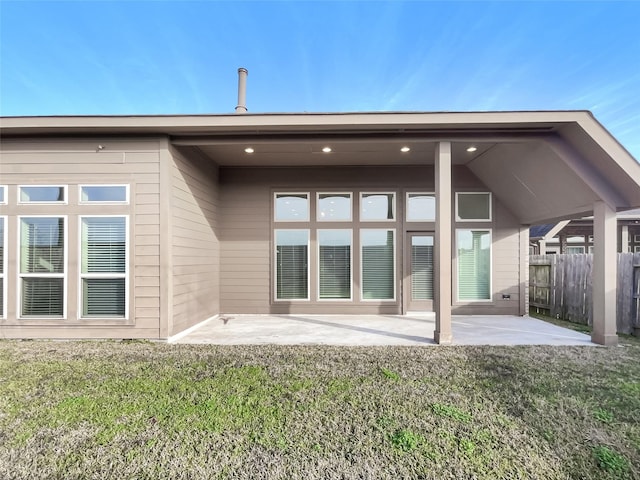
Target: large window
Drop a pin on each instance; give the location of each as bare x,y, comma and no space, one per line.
378,264
474,264
3,262
334,264
292,264
103,266
42,266
473,206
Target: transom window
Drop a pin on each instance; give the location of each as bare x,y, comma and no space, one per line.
42,194
421,207
334,207
104,194
42,266
473,206
377,207
3,194
291,207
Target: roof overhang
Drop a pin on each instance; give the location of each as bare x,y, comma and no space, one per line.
544,166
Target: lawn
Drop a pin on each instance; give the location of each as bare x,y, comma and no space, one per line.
125,410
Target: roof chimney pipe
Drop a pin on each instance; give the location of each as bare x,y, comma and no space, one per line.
242,90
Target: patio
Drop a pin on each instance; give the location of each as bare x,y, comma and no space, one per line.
412,329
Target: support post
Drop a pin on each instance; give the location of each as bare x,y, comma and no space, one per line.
604,274
625,239
442,264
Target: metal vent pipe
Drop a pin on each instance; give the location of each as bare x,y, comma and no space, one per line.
242,90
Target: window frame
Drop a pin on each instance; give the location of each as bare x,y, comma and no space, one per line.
64,275
275,265
636,239
65,189
395,266
301,220
386,220
457,270
322,220
5,194
125,275
406,207
350,298
103,202
3,275
457,205
575,247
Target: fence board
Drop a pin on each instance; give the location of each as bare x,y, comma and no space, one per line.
561,286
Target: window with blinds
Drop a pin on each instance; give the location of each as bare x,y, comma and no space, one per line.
2,265
422,267
334,264
474,264
103,266
378,264
42,266
292,264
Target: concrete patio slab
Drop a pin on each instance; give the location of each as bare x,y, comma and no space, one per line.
376,330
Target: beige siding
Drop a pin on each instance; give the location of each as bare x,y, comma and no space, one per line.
79,161
246,235
195,250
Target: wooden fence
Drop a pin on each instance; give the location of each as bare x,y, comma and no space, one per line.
560,286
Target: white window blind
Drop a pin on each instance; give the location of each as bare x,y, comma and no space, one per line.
103,266
474,264
378,272
334,264
292,269
42,266
422,267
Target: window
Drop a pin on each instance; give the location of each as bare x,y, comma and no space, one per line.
3,194
334,207
104,194
292,207
103,266
473,206
636,249
575,249
474,264
334,264
421,207
42,266
377,206
3,262
42,194
378,264
590,248
292,264
636,238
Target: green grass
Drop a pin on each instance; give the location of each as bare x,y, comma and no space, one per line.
125,410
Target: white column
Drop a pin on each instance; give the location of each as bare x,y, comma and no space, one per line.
605,263
625,239
543,246
442,274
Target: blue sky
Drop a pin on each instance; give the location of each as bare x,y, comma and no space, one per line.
153,57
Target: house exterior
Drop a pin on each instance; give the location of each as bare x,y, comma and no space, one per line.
141,227
576,236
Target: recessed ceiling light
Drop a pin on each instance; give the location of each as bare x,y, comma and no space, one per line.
326,149
472,149
405,149
249,150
